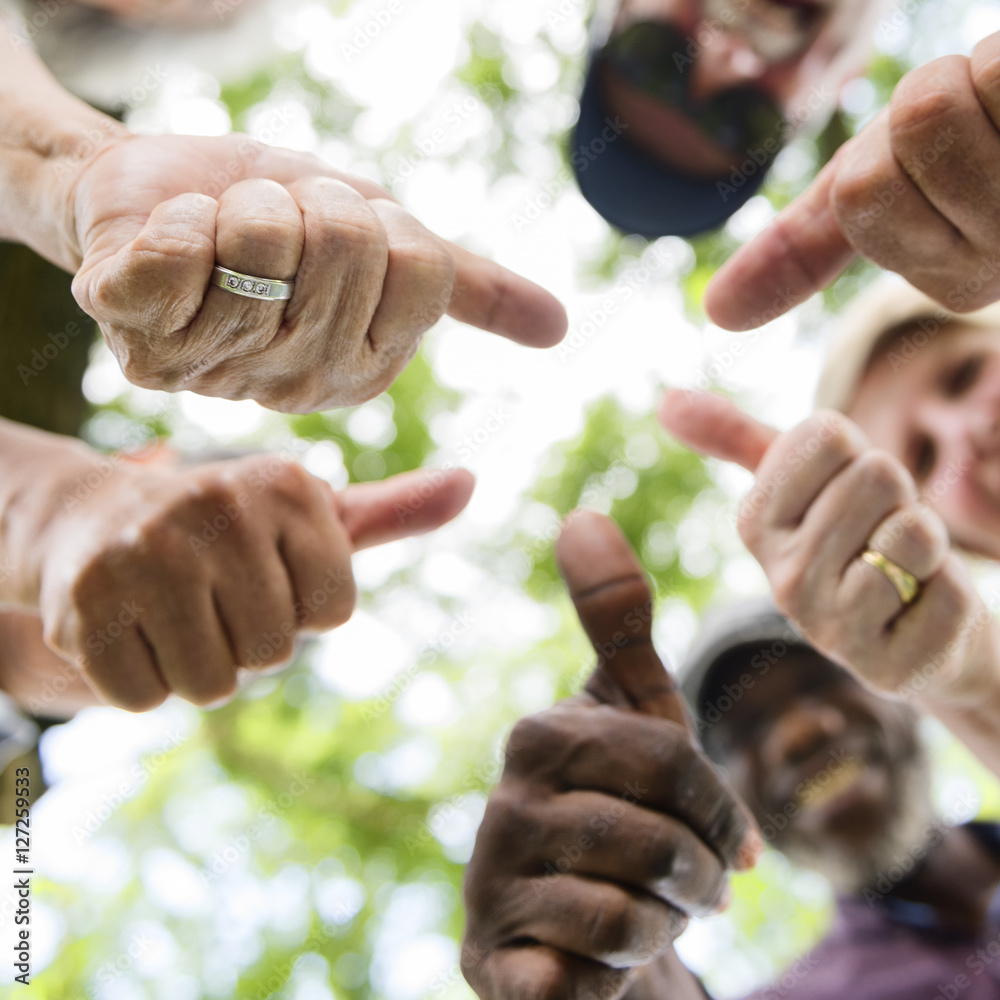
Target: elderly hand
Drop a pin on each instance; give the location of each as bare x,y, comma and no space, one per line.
609,827
160,580
916,191
148,217
822,497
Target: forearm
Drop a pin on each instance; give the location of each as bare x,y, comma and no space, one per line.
38,680
45,135
41,476
974,715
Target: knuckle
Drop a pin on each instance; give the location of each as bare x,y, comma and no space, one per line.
788,582
274,232
215,687
141,371
292,479
748,524
144,701
852,193
336,609
883,473
834,433
609,929
94,580
985,67
513,820
530,741
928,535
920,103
951,590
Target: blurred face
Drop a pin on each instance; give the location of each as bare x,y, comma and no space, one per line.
832,772
703,83
938,408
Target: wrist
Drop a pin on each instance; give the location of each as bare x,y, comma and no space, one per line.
49,477
47,137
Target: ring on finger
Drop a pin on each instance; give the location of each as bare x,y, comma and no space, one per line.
906,584
252,287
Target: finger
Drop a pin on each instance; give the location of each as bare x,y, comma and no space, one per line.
337,290
985,71
637,759
317,557
538,972
124,672
914,538
886,216
189,644
150,274
839,524
415,293
592,834
484,295
597,920
799,467
713,425
612,599
410,504
492,298
949,146
929,640
253,597
801,252
259,232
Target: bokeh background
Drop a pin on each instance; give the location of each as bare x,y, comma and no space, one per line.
306,842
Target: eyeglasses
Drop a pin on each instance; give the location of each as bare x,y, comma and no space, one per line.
652,56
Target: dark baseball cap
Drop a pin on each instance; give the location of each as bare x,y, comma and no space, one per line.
638,193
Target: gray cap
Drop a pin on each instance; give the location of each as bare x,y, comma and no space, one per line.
754,623
887,304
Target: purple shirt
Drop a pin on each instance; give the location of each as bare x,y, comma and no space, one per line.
895,950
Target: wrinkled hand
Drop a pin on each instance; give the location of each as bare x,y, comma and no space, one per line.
150,216
916,191
168,580
608,828
822,496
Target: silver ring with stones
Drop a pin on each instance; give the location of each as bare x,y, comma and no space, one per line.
251,286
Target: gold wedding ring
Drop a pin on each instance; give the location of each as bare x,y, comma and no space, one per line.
906,584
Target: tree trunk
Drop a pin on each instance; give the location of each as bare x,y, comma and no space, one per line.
45,341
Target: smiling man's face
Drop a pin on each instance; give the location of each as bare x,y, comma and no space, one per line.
781,62
832,772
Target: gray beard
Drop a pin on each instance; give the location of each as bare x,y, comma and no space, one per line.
893,857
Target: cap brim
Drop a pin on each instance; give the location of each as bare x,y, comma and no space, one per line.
751,623
639,194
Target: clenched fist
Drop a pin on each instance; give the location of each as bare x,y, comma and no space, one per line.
147,217
916,192
821,498
159,580
609,828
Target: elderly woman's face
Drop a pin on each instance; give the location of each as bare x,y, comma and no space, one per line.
934,401
704,83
